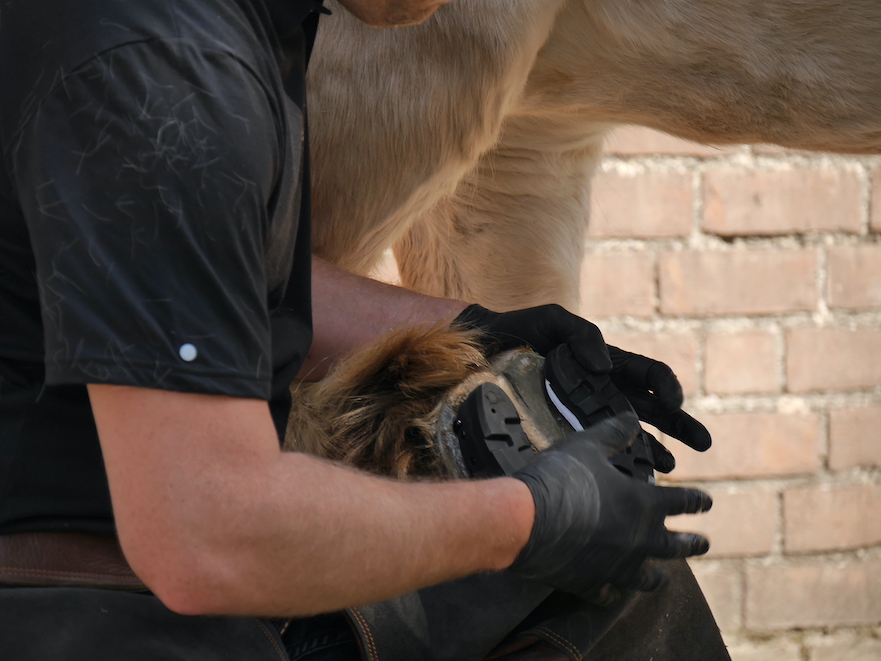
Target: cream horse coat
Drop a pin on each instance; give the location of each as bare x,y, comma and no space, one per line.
468,143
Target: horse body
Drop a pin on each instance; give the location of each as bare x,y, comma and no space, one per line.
469,142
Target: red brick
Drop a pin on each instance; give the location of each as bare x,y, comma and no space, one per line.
741,362
866,649
751,445
678,350
808,593
738,282
875,218
853,437
831,518
741,203
854,276
647,205
741,523
618,284
832,359
765,650
767,149
721,585
771,150
638,140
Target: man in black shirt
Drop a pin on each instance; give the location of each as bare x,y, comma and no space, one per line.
155,297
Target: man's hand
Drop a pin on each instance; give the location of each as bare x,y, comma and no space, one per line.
542,328
651,386
596,526
655,394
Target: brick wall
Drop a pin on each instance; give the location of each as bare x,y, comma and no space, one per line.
755,272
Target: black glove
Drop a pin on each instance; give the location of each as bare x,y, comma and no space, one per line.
655,394
651,386
596,526
542,328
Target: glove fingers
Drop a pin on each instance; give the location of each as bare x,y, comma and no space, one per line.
664,461
677,424
669,545
589,348
676,500
631,371
614,434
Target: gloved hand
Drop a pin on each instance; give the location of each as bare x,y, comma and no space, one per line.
596,526
651,386
542,328
655,394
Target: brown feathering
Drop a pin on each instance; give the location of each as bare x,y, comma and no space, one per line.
377,409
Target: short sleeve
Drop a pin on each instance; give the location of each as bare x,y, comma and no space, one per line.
145,178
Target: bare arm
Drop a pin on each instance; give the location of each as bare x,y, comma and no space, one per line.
349,310
215,519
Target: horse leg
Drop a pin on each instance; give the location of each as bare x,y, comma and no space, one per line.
512,235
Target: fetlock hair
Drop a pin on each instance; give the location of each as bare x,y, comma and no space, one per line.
378,407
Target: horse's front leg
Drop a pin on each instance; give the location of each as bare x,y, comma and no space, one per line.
512,235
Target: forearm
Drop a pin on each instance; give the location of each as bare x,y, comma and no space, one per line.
350,310
358,539
216,519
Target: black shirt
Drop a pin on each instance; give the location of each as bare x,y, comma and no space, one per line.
150,190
